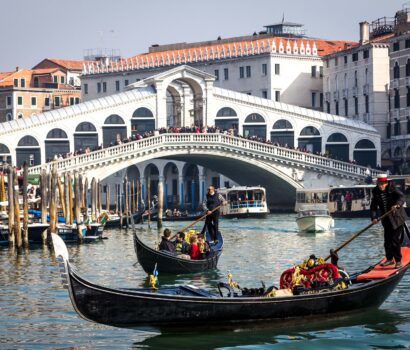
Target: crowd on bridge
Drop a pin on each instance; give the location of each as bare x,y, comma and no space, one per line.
135,136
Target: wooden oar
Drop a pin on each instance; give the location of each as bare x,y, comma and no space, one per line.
197,220
357,234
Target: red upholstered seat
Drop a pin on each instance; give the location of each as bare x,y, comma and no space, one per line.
379,272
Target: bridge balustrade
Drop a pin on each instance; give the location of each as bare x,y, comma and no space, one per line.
132,148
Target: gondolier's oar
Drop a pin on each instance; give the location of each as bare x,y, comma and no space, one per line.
357,234
198,220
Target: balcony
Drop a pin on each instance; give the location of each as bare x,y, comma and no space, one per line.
366,117
366,89
395,83
345,93
355,91
336,95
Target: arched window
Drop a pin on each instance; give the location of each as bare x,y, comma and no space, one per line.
364,144
226,112
337,137
9,117
309,131
408,68
27,141
142,112
4,149
85,127
114,119
254,118
396,71
5,156
282,124
57,134
398,153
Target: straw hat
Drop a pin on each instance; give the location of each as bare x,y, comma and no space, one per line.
382,178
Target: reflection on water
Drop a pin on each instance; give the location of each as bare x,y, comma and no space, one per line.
36,312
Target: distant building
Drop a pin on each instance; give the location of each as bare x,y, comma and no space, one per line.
27,92
278,64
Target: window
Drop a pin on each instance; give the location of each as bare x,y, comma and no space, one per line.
57,101
366,103
313,99
16,82
104,86
396,46
264,69
277,68
62,79
36,84
356,105
77,100
264,93
365,54
34,101
126,82
407,43
241,72
98,87
396,71
321,71
396,98
336,61
345,59
277,96
226,74
321,100
216,73
85,89
71,101
248,71
20,100
22,82
47,101
346,107
355,57
328,107
337,107
55,77
8,101
117,85
313,71
388,131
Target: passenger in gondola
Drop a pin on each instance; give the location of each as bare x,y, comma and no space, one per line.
166,244
203,247
181,246
193,249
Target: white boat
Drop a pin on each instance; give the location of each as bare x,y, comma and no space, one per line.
244,202
315,218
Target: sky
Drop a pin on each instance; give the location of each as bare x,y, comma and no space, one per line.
36,29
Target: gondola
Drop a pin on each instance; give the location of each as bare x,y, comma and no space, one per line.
35,233
188,217
167,262
189,305
91,232
115,221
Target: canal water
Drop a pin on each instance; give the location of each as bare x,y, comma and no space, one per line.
36,313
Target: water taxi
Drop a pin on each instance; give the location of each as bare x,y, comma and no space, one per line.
314,218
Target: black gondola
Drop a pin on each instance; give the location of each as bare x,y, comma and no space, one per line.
116,221
167,262
35,233
190,305
91,232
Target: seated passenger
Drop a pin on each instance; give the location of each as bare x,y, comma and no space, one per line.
181,246
194,249
203,247
166,244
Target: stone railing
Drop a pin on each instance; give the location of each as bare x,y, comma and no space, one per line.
161,142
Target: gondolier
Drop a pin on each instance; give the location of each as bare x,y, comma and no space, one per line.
386,197
212,201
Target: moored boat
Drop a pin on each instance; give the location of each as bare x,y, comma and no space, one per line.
35,233
185,304
91,232
314,218
167,262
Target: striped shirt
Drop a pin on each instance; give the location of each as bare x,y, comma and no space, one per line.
383,196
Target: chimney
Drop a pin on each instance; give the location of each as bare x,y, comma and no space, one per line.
17,68
364,32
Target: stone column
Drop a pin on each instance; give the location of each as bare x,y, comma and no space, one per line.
181,191
161,179
161,120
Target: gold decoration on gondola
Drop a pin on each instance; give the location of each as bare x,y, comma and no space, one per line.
231,281
153,282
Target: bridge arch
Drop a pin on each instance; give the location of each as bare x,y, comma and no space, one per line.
365,153
28,150
56,143
337,146
85,136
142,121
114,129
255,125
282,133
310,139
5,155
227,118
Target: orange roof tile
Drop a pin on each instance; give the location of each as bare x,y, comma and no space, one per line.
67,64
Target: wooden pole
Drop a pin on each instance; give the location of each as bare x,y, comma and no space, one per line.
17,226
10,180
160,203
149,200
3,195
120,208
53,207
86,199
43,204
126,199
70,198
77,206
107,198
137,198
132,199
99,188
61,195
25,204
116,199
81,191
93,199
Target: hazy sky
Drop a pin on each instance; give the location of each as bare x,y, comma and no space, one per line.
36,29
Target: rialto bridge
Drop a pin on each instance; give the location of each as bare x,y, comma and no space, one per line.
183,97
